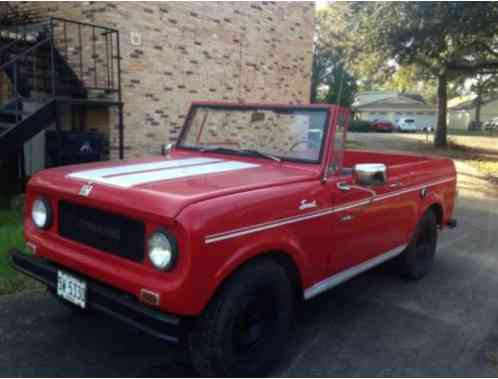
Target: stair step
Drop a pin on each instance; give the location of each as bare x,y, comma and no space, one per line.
4,127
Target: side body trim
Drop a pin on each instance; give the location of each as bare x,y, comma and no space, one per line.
345,275
318,213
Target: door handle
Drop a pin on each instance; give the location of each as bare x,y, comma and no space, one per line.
343,187
345,218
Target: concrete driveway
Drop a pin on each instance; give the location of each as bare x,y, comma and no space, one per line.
374,325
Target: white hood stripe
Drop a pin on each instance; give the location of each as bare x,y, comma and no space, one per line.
176,173
95,175
131,175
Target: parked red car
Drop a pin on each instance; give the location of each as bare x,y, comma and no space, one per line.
254,210
383,126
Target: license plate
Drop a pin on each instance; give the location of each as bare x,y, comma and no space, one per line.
71,289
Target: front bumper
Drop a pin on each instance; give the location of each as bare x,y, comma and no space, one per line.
105,299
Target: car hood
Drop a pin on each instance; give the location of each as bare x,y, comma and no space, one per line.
166,185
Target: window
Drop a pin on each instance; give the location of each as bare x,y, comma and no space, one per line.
288,133
339,143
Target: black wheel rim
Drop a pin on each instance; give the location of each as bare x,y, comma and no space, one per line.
253,325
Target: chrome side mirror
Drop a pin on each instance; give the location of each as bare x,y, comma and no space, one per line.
370,174
165,149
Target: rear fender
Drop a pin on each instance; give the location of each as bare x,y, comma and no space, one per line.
433,199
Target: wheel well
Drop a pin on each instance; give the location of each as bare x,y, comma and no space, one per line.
290,267
438,211
282,259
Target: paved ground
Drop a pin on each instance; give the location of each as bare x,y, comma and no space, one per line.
374,325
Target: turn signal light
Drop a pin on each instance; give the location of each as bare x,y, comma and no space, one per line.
30,248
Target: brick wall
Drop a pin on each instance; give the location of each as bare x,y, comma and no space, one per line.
174,53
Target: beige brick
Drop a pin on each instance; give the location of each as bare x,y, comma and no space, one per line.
234,51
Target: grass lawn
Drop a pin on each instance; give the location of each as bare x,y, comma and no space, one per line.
11,235
487,167
478,133
484,160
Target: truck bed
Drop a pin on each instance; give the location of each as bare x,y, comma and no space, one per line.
408,170
352,157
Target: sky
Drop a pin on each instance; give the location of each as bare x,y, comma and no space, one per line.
321,3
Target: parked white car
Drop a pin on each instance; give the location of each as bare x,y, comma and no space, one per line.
491,124
407,124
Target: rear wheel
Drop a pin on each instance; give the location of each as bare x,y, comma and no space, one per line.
418,258
243,330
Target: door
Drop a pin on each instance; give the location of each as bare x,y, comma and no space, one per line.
365,222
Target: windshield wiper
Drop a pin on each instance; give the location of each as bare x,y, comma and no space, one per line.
219,150
227,150
261,154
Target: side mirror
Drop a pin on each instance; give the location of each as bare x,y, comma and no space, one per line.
370,174
165,149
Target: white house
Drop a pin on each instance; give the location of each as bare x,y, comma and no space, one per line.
392,106
462,111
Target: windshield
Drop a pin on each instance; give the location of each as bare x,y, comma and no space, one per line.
285,133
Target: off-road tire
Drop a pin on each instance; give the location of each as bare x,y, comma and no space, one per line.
216,342
418,258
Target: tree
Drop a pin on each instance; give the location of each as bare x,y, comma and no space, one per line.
328,72
341,87
444,40
324,62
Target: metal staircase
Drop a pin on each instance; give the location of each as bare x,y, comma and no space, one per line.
48,62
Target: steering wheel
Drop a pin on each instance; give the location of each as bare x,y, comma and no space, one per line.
308,141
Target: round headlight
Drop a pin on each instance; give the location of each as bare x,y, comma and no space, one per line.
41,213
162,250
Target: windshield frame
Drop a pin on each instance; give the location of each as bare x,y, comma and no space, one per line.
270,107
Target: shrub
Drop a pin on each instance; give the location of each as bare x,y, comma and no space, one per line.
360,126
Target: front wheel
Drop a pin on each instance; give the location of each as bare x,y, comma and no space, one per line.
244,328
418,258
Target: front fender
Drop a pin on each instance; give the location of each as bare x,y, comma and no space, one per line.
285,244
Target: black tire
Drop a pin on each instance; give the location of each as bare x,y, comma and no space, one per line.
243,330
418,258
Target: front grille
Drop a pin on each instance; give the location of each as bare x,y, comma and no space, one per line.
108,232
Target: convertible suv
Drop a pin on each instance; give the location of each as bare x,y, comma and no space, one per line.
213,245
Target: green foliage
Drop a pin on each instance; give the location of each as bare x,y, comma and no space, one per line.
328,70
341,87
442,40
11,235
360,126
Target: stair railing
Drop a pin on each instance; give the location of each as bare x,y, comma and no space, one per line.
81,58
21,86
91,50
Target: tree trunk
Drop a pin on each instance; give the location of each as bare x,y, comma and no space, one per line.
440,139
478,108
313,92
